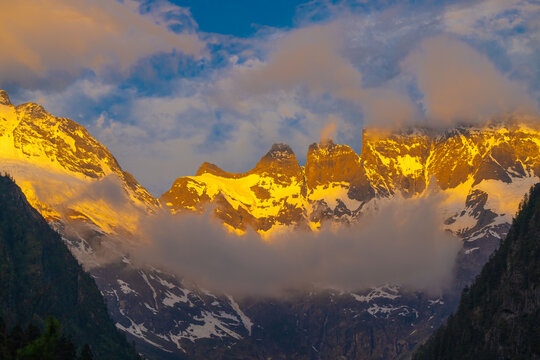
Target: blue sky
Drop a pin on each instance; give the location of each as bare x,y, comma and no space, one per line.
241,18
167,85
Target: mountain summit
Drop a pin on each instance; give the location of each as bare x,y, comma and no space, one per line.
280,163
45,153
329,163
4,98
336,181
280,151
257,198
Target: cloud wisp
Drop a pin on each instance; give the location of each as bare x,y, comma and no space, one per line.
401,244
329,131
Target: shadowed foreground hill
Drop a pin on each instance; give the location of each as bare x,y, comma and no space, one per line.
499,315
39,277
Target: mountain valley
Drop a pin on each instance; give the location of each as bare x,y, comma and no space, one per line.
78,186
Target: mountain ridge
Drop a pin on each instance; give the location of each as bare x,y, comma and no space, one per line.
43,152
388,165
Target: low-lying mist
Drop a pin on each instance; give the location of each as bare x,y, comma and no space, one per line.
400,243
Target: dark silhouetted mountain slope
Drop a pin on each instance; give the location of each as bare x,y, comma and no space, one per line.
39,277
499,315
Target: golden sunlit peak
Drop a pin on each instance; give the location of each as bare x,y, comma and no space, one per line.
336,179
4,98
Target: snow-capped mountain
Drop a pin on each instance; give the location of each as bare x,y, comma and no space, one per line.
482,172
336,184
79,187
62,169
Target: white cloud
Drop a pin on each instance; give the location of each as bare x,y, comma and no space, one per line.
61,103
312,59
402,244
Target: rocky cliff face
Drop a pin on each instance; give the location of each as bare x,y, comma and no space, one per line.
269,194
336,183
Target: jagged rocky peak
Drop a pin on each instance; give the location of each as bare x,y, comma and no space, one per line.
209,168
4,98
395,161
279,162
33,110
279,151
329,162
61,145
325,145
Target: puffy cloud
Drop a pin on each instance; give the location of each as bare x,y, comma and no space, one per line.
508,30
401,244
461,84
67,36
304,57
312,59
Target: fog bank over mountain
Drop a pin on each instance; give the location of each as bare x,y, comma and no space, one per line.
401,243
